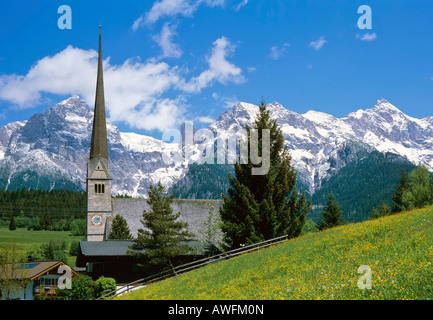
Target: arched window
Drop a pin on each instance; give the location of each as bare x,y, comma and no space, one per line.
96,188
99,188
103,188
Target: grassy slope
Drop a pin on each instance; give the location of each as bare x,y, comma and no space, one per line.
25,239
399,250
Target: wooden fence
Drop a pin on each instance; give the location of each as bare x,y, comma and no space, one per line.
191,266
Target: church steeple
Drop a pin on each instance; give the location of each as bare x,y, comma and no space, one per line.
98,181
98,146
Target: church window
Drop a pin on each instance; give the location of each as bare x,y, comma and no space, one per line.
99,188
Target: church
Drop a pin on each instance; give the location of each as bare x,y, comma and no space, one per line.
98,254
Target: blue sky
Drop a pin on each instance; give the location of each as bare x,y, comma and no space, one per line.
168,61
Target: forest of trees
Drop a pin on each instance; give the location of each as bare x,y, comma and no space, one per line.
362,185
414,191
60,210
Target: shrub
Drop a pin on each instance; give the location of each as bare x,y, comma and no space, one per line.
34,224
78,227
103,286
74,248
82,289
61,225
22,221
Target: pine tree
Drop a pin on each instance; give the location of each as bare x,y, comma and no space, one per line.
397,198
12,225
331,215
262,207
119,229
164,238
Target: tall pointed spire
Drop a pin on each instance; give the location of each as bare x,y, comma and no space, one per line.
98,146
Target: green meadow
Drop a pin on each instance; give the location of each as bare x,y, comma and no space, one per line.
24,239
323,265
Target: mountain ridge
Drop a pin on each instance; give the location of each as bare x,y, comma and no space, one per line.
58,141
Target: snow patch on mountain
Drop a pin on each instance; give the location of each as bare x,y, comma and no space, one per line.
56,145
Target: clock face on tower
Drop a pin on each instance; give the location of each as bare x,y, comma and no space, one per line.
96,220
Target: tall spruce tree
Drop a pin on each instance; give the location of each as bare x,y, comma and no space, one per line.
332,215
397,198
119,229
262,207
12,224
164,238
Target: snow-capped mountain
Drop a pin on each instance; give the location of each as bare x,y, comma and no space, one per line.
50,150
321,144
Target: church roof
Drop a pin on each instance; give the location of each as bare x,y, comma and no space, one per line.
105,248
120,247
99,145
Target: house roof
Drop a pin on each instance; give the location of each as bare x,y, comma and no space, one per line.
31,270
105,248
120,247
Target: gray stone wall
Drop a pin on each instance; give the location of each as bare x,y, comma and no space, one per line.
98,204
194,212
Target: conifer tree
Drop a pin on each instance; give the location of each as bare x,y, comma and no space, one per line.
164,237
119,229
262,207
331,215
397,198
12,225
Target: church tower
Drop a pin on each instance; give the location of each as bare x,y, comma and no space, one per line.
98,180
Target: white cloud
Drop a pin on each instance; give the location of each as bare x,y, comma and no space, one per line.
169,8
277,52
165,41
252,69
318,44
206,119
137,23
133,90
226,102
172,8
367,37
72,71
241,4
219,70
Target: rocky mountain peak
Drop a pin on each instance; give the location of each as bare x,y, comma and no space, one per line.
320,144
384,106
